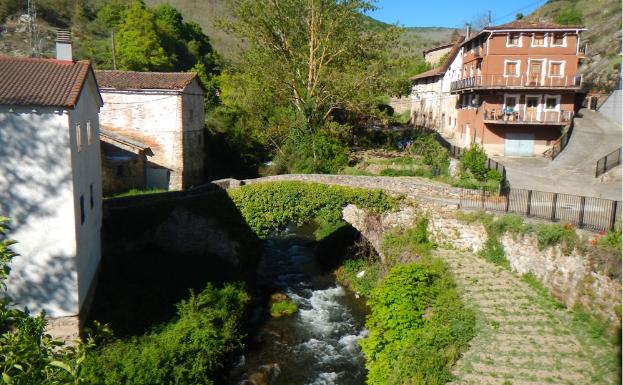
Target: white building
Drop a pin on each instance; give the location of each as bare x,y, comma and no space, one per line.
164,110
50,181
432,105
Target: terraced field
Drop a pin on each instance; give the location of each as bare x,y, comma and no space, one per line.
525,338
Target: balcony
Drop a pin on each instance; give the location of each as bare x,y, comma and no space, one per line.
517,82
560,118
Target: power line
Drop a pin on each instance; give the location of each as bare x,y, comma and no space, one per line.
500,18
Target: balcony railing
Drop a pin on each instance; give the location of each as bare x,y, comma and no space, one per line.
528,117
523,81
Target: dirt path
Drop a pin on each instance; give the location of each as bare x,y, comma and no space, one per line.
523,337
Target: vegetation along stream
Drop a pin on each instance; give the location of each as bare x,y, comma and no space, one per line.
318,344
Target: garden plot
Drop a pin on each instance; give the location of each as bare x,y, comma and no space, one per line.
523,337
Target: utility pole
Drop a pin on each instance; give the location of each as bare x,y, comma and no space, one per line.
114,59
32,28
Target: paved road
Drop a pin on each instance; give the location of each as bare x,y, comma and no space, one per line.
573,171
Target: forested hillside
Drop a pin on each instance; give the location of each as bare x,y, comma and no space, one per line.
603,20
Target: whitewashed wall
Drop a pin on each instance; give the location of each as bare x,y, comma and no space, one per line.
86,172
36,192
39,192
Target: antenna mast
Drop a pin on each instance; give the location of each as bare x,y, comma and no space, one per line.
32,28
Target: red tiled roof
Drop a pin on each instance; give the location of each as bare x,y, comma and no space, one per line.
444,67
130,80
41,82
524,24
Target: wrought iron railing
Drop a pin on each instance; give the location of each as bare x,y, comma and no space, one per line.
588,213
521,81
498,116
608,162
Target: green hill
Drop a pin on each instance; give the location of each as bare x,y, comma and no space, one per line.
208,12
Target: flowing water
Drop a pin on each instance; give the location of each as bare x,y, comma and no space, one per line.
317,346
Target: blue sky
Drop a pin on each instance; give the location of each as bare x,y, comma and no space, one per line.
450,13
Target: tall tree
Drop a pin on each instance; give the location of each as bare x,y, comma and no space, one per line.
318,56
139,47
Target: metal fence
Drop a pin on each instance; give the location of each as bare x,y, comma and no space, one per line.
456,152
608,162
584,212
561,143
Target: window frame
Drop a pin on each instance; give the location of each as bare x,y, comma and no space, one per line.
545,36
519,39
89,133
562,68
516,106
517,68
78,134
564,39
547,96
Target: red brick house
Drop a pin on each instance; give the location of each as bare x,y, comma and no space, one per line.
517,88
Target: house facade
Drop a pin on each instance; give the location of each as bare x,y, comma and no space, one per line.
164,111
516,92
50,182
432,104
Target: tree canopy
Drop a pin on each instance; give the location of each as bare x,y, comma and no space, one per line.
312,67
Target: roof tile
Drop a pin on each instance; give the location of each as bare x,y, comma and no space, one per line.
41,82
130,80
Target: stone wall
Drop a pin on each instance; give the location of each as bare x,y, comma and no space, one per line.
401,105
121,176
570,278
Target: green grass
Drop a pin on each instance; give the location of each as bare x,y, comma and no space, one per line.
136,192
281,305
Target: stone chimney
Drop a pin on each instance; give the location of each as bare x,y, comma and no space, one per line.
468,30
63,45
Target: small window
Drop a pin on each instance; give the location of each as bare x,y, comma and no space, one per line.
91,195
89,134
511,68
513,39
558,39
538,40
555,69
551,103
81,209
78,137
511,101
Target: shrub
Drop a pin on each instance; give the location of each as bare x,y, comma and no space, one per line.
270,206
320,153
433,153
281,305
612,239
569,16
188,350
417,326
416,172
407,245
552,234
363,284
473,163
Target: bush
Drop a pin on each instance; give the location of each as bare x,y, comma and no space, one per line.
421,172
552,234
320,153
570,16
473,163
189,350
346,275
417,326
270,206
612,239
281,305
405,246
434,154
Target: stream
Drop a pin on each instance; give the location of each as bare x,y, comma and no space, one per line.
318,345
